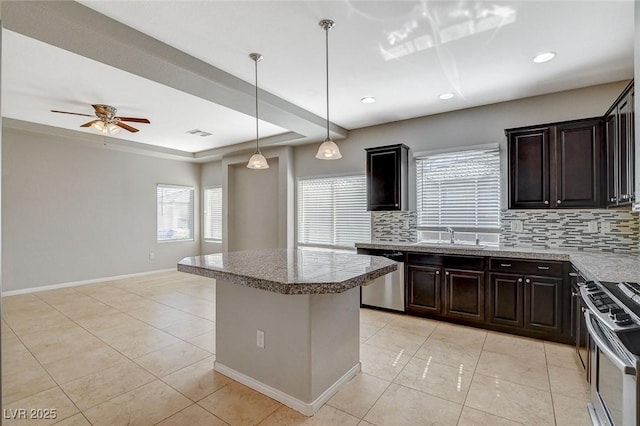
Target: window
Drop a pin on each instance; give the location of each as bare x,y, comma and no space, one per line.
213,214
332,212
175,213
460,190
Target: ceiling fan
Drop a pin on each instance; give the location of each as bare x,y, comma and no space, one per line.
106,120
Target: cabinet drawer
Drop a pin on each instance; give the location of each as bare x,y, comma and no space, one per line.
526,267
460,262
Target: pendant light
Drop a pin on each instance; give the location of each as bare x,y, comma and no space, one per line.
257,160
328,150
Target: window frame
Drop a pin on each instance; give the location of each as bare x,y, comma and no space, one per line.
331,247
191,220
204,214
454,151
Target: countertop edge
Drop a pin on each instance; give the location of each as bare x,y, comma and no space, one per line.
595,266
300,288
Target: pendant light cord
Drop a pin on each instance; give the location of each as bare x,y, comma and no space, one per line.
326,30
257,145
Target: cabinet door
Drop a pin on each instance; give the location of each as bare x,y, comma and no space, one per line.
386,177
506,299
464,294
626,151
423,292
529,168
543,304
613,151
630,196
578,148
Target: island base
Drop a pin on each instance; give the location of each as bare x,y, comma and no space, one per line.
311,342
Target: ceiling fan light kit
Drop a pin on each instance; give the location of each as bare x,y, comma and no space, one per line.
257,160
106,121
328,150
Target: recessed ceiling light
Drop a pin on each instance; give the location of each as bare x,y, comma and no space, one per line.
544,57
446,96
368,100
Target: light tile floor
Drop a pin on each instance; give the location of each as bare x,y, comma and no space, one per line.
140,351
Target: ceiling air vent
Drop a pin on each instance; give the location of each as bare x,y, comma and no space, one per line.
198,132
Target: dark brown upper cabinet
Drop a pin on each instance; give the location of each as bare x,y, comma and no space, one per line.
619,135
557,165
387,175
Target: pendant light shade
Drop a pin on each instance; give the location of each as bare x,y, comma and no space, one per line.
328,150
257,160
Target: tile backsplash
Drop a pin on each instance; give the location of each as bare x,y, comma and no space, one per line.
616,231
394,226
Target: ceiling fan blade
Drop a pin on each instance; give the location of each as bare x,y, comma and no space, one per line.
100,110
89,124
133,119
125,126
72,113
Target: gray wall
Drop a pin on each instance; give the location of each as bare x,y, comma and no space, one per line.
469,127
252,207
74,210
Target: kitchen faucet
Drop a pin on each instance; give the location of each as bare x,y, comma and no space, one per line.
451,234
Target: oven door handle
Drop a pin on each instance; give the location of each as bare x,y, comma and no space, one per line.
602,345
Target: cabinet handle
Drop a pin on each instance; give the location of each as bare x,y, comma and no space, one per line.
544,268
519,280
437,272
559,202
574,293
546,202
528,281
573,274
613,199
446,273
506,265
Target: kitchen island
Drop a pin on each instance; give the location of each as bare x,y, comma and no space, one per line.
287,321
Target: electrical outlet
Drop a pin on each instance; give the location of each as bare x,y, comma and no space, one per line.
152,255
592,226
260,339
605,227
516,226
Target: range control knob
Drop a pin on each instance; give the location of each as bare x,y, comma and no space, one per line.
622,319
591,286
615,311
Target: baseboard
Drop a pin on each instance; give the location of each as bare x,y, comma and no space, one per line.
306,408
83,282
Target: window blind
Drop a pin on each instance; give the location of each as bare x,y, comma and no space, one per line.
332,212
459,189
175,213
212,214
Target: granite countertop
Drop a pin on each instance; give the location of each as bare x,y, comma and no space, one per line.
290,271
594,266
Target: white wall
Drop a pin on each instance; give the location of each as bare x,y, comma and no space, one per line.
473,126
74,210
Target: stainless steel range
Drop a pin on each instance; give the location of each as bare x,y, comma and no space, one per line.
613,321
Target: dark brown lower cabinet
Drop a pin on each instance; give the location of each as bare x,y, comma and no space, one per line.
543,304
528,302
506,302
424,283
464,294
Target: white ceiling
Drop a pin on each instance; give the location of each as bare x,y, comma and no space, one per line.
405,53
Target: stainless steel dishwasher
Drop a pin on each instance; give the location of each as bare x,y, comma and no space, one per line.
386,292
